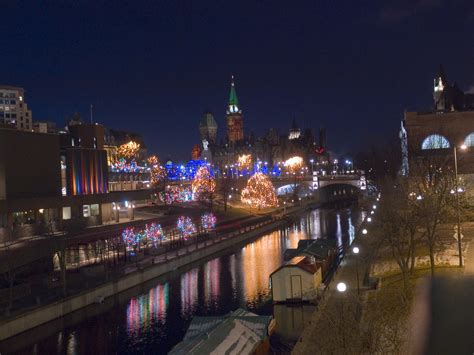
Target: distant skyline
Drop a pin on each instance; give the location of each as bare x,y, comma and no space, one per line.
155,67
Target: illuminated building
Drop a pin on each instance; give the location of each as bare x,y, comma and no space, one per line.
14,109
267,150
54,182
436,132
295,132
235,123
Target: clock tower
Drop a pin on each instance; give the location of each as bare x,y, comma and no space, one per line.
235,124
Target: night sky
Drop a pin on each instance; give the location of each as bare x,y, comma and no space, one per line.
153,67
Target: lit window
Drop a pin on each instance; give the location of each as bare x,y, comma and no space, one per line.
95,210
435,141
66,212
86,210
469,141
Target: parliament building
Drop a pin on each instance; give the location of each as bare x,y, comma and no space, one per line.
271,148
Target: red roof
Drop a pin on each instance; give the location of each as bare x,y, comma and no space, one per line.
303,263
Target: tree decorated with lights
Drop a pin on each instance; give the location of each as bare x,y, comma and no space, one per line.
128,150
245,161
208,221
293,165
154,233
186,227
157,172
259,192
204,184
130,238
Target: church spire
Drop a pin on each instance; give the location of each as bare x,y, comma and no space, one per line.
233,101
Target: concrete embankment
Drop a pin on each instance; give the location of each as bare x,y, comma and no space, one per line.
43,314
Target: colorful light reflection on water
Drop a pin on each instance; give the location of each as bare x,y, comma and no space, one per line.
155,320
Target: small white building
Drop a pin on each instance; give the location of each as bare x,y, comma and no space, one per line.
298,280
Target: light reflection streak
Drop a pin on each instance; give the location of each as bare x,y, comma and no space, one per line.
144,309
212,270
339,230
351,230
189,291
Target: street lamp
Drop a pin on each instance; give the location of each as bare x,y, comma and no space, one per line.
369,219
312,166
364,231
463,147
356,251
341,287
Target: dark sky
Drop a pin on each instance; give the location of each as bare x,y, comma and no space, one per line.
154,66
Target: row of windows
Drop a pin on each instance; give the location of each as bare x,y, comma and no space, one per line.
7,94
11,115
437,141
7,102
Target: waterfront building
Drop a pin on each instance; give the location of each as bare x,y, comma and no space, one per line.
297,280
57,182
14,110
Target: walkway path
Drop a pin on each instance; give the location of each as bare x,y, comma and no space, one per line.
327,329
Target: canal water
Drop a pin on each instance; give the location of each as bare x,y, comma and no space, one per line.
153,318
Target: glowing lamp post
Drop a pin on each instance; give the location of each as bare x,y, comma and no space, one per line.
364,231
356,251
463,147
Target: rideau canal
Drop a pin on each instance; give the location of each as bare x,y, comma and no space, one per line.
152,318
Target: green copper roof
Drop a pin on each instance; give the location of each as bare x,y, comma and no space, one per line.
233,95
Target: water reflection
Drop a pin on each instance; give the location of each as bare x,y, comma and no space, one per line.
189,292
146,309
154,321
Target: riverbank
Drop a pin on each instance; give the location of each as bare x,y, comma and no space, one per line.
151,268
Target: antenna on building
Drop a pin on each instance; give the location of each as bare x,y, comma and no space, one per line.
92,106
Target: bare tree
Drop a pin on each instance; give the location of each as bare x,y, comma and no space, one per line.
432,182
399,221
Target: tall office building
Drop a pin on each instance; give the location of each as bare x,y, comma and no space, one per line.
13,108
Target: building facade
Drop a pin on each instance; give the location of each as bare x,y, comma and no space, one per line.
449,125
14,110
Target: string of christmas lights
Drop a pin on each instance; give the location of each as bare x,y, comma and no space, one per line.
259,192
